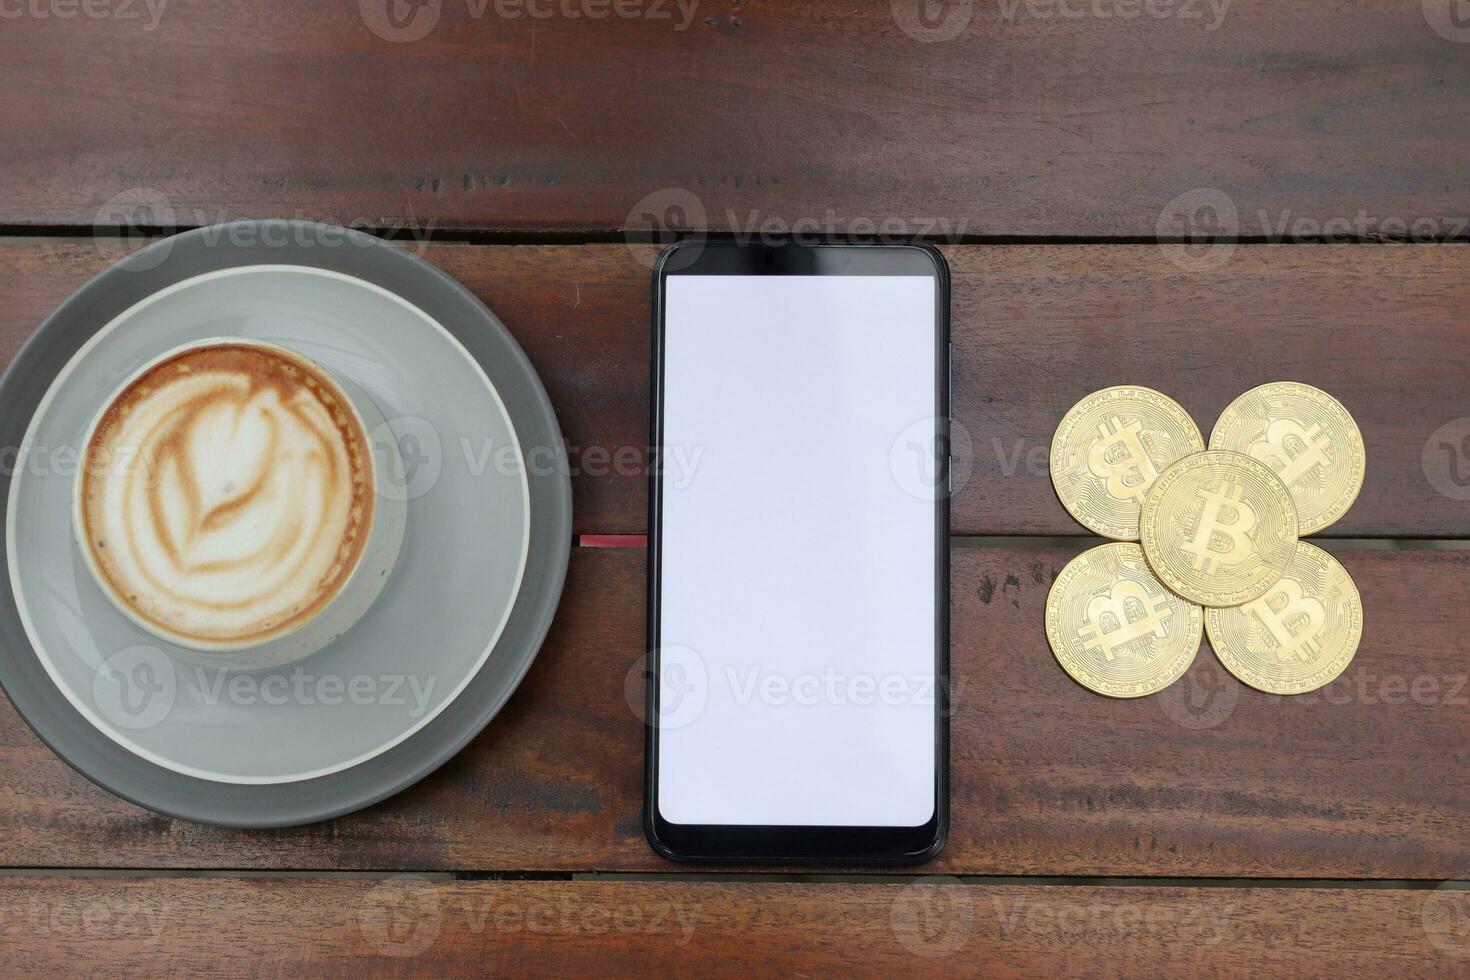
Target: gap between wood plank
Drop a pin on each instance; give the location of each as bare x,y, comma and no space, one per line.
1039,542
739,877
84,234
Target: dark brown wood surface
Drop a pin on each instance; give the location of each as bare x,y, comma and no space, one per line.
412,927
1282,121
1369,778
1386,328
1026,122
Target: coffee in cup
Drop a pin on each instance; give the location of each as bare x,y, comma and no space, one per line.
227,502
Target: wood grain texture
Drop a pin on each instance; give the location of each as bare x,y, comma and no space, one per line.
1361,779
1025,122
415,927
1385,328
1370,778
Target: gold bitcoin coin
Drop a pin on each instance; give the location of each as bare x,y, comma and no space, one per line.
1219,528
1297,637
1115,629
1108,450
1308,438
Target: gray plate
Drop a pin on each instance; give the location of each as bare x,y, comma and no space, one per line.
440,608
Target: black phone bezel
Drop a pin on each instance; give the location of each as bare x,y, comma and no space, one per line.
802,844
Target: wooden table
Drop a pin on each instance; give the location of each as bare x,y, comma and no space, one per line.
1048,148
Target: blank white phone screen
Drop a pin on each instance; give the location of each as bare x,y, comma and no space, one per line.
797,598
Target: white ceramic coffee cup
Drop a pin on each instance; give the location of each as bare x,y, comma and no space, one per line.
357,592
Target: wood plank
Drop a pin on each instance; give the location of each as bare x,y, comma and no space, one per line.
409,926
1369,779
1385,328
1026,122
1365,778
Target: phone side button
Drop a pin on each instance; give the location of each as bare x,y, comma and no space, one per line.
949,380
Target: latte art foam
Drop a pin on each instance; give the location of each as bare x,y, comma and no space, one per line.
226,496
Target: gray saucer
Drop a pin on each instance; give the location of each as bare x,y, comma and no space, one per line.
452,634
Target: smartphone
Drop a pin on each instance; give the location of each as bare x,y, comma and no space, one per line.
798,584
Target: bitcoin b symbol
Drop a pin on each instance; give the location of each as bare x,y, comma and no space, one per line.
1225,519
1293,619
1118,617
1121,461
1292,450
